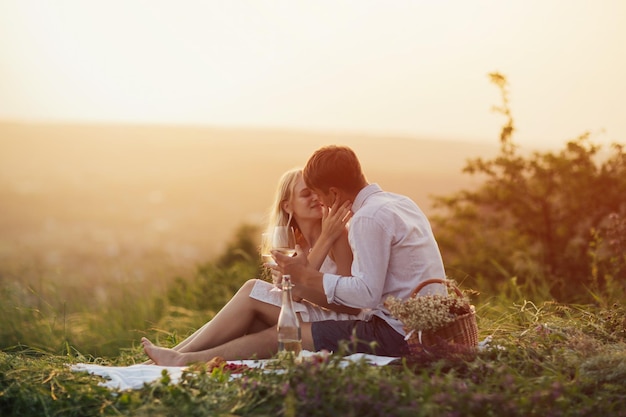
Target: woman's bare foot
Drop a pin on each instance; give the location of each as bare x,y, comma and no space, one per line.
163,356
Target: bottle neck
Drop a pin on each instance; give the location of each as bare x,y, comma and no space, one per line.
287,283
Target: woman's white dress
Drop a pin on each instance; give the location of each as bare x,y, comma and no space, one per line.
309,312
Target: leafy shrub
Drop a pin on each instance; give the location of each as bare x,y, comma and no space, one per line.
533,217
214,283
211,287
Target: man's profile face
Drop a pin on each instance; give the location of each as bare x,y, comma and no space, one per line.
326,198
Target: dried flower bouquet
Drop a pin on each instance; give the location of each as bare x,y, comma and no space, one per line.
431,320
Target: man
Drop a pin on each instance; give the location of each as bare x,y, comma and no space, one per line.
394,251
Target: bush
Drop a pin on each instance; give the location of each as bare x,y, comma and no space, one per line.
214,284
534,217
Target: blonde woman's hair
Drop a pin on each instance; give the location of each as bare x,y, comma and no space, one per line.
284,192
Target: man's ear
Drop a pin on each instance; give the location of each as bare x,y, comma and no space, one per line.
336,193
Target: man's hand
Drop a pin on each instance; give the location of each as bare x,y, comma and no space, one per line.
307,280
277,277
292,265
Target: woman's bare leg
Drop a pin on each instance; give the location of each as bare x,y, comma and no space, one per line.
240,316
256,326
260,345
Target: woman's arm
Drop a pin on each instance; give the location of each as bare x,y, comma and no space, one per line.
341,253
333,237
333,241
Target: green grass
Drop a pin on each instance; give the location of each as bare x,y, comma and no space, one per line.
50,313
545,359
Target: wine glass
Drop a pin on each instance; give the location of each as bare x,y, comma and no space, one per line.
282,239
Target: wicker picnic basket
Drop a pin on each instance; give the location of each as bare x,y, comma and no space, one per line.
459,336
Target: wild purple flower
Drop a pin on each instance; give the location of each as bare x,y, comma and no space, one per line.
557,390
362,398
436,380
536,397
508,382
441,397
349,388
460,386
479,397
543,329
301,391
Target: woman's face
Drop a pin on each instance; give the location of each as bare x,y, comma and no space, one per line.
304,202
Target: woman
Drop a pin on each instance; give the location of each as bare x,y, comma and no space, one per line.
255,308
325,241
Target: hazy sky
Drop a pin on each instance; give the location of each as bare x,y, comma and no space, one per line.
402,67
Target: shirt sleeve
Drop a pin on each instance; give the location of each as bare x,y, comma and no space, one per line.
371,245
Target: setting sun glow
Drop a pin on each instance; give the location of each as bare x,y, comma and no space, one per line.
410,68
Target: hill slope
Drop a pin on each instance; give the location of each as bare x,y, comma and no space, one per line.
82,193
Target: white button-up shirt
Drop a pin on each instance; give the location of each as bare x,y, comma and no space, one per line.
394,250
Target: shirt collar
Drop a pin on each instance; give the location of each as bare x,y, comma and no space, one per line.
365,192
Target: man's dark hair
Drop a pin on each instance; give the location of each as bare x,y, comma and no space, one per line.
334,166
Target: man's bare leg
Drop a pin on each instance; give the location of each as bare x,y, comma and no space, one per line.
260,345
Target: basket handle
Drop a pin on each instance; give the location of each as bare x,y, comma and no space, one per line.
446,282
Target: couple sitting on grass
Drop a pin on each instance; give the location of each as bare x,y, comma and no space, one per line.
342,274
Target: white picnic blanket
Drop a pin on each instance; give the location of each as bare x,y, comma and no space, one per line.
129,377
135,376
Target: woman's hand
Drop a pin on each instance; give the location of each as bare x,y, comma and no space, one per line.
334,236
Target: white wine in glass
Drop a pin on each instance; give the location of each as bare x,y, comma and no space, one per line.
284,240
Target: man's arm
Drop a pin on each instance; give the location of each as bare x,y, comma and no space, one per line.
372,248
308,282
